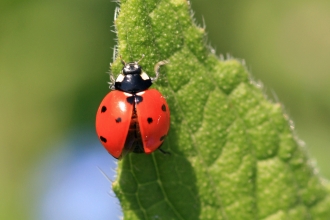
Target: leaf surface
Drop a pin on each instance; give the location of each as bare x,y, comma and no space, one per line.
233,152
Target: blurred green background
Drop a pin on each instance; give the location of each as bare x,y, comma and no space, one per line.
54,56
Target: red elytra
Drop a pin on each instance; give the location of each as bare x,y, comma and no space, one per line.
132,118
114,118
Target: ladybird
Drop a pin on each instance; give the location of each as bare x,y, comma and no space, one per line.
132,117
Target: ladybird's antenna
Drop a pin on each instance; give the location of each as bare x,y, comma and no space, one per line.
122,61
157,66
140,59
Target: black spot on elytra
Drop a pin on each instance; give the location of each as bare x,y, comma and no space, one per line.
103,109
134,99
103,139
150,120
163,108
118,119
162,137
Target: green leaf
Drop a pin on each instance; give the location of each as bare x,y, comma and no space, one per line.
233,152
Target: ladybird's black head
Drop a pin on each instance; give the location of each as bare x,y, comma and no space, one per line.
132,68
132,79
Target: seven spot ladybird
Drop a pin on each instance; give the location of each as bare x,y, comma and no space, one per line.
132,117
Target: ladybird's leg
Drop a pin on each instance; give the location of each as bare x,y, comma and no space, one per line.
112,80
157,66
163,151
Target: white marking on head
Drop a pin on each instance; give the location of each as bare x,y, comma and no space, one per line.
140,93
144,76
127,67
120,78
128,94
